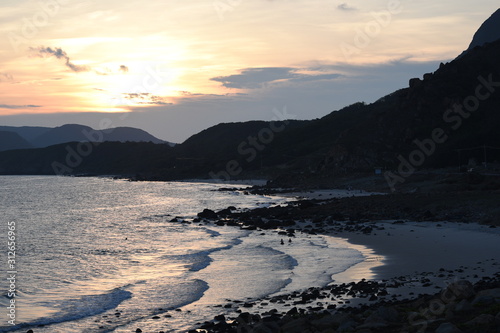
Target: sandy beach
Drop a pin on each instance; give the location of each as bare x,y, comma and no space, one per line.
405,260
429,246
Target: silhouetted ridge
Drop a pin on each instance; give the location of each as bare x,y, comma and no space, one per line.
11,140
488,32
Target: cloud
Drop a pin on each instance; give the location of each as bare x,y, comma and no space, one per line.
10,106
307,78
255,78
107,71
252,78
103,71
6,77
346,7
57,52
146,98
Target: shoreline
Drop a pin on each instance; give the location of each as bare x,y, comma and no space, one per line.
404,261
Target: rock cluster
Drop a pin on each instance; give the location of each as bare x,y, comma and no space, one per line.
461,307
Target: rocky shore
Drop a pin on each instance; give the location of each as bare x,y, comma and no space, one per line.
461,307
460,299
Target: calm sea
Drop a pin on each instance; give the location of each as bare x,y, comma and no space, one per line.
101,255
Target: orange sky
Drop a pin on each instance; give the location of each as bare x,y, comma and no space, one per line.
63,56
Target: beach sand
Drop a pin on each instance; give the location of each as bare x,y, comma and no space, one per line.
429,246
405,260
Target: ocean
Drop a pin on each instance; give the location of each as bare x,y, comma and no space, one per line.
102,255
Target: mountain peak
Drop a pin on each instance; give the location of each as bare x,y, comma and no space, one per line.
488,32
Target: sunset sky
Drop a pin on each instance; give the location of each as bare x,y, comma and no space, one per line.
175,67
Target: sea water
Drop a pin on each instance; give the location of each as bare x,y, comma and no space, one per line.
102,255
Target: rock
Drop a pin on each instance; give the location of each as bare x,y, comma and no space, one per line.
347,326
293,311
207,324
387,313
221,326
138,330
296,326
224,212
483,300
269,327
483,319
330,321
458,290
244,317
447,328
220,318
494,293
380,318
207,214
415,82
463,306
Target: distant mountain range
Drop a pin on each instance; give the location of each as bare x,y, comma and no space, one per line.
447,118
40,137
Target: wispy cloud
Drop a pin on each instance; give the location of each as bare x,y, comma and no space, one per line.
10,106
6,77
346,7
146,98
108,71
57,52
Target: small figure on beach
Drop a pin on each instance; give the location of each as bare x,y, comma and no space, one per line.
289,240
282,243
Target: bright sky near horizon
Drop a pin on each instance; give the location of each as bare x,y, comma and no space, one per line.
174,67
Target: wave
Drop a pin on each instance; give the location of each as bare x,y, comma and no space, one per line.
199,260
170,298
287,261
78,308
212,233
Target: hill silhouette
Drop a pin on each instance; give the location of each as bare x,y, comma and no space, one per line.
446,118
12,140
40,137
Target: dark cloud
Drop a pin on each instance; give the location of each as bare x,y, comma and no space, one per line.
146,98
10,106
136,95
346,7
254,78
123,69
57,52
311,99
